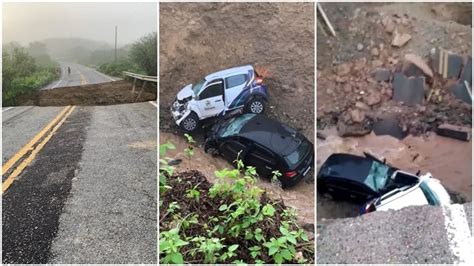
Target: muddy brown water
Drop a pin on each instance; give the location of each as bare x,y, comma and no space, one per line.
300,197
446,159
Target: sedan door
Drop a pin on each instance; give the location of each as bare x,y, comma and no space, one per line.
231,149
262,159
211,99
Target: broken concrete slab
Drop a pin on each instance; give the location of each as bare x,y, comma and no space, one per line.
454,66
389,126
448,64
381,74
408,90
467,71
462,92
455,132
400,39
420,63
411,70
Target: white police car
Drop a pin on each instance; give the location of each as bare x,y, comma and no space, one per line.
427,191
217,94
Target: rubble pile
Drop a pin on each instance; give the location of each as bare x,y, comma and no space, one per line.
396,94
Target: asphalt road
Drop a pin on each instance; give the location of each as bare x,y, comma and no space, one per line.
421,234
79,75
89,196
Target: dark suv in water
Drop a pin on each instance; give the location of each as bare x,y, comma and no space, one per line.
264,143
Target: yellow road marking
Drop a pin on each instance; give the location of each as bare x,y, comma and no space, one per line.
30,144
33,154
83,79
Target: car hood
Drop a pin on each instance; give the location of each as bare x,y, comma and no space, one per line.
185,92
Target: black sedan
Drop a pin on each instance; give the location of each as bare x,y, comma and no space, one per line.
264,143
351,177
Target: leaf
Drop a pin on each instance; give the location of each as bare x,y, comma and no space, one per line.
223,207
268,210
278,258
180,242
165,147
283,230
176,258
286,254
291,239
233,247
272,250
304,237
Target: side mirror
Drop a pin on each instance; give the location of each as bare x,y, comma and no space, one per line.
418,173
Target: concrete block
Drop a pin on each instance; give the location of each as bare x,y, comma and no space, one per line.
410,91
467,71
461,92
455,132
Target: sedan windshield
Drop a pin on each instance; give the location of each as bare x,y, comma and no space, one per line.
378,176
198,86
234,125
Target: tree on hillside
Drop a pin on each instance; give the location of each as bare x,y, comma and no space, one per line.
144,54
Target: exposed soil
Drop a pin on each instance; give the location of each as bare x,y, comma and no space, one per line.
116,92
197,39
348,92
208,207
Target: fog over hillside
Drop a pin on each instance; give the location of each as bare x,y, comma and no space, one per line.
27,22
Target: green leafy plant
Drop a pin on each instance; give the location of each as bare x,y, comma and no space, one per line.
275,176
165,168
190,149
170,245
241,213
193,193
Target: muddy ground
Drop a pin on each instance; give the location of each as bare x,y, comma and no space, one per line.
116,92
197,39
350,100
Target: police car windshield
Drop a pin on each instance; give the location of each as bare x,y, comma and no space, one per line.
198,86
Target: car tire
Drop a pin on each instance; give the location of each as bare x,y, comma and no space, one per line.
212,151
256,106
190,123
277,182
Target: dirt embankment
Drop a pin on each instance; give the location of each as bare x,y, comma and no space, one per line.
116,92
200,38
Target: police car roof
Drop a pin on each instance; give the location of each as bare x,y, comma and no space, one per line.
229,71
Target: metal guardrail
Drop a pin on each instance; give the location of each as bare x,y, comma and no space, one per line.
140,77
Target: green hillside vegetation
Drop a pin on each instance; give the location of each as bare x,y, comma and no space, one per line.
25,70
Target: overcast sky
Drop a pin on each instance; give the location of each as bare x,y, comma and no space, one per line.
26,22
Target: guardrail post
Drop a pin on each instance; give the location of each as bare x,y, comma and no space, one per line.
133,87
141,90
